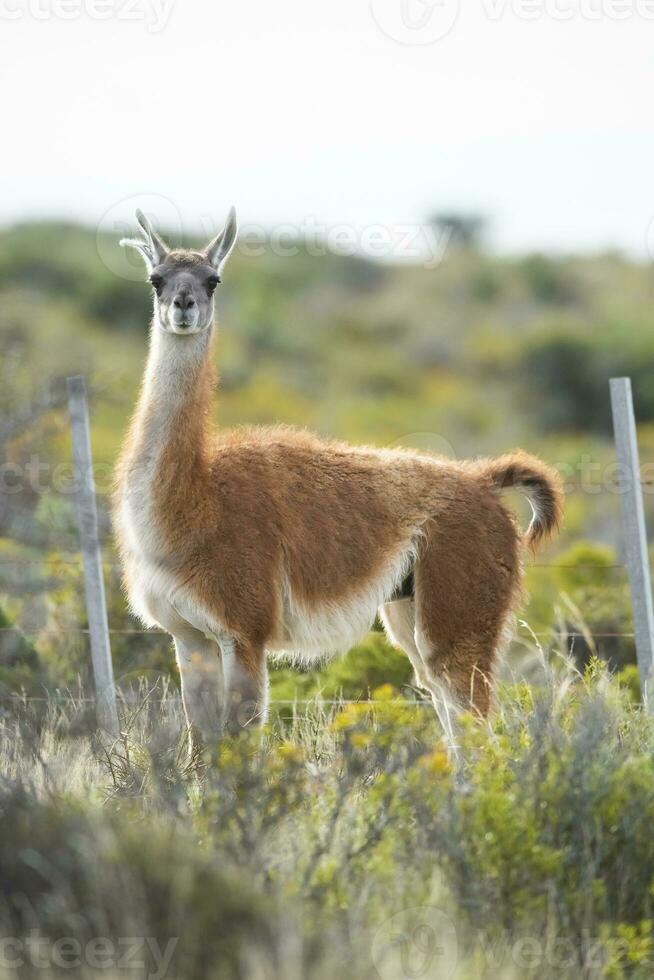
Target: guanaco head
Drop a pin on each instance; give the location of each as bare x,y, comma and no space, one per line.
184,280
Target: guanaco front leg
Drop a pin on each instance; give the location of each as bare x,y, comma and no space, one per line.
247,687
203,686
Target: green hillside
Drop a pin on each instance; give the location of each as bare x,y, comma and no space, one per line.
473,357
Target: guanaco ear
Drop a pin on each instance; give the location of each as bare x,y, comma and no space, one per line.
152,246
217,251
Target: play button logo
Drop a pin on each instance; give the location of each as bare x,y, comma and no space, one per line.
415,21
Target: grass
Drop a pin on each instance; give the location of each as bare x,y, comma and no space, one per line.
340,842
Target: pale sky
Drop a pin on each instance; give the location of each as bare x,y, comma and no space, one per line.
535,112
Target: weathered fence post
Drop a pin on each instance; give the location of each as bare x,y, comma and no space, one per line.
635,535
93,581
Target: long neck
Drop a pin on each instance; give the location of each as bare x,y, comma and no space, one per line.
170,427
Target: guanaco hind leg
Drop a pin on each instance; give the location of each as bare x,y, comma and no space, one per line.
398,618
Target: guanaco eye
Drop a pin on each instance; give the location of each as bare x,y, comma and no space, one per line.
157,282
212,282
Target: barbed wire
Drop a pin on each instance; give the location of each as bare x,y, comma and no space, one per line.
176,699
82,630
62,630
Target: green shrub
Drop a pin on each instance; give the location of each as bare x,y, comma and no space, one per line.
297,847
70,870
367,666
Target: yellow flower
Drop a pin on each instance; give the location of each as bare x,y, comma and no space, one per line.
384,693
350,716
435,762
290,752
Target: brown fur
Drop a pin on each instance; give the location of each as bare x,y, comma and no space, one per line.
520,469
245,511
237,542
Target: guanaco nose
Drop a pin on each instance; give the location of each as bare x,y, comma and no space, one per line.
183,301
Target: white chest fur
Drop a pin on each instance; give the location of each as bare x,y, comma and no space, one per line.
155,594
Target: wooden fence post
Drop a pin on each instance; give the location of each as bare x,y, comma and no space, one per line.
96,608
635,535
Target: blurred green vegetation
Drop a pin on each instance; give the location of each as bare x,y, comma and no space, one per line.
341,843
472,357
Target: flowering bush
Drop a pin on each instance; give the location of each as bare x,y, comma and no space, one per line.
314,847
